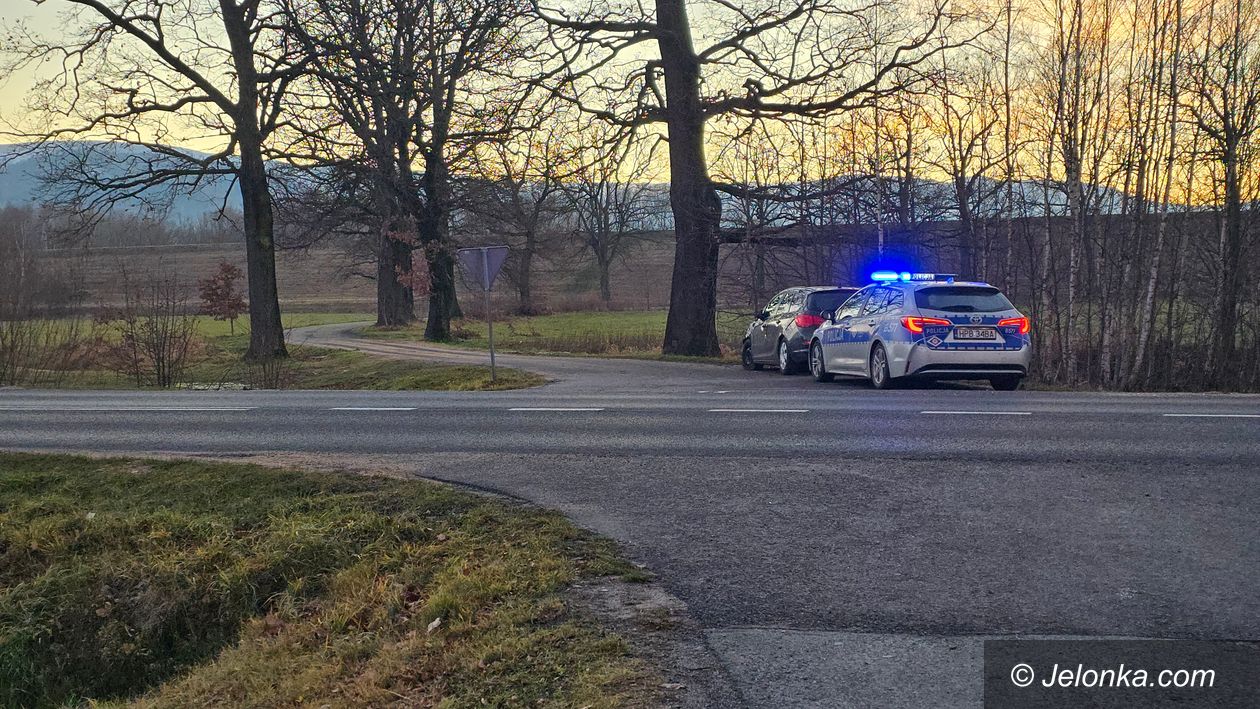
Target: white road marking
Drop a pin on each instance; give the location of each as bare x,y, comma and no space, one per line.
373,408
1216,416
758,411
127,408
552,408
980,413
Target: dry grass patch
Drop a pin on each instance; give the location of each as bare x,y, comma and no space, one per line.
174,583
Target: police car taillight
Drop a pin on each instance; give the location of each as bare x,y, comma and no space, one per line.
915,325
1022,323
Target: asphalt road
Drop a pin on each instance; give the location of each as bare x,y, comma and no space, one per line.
840,546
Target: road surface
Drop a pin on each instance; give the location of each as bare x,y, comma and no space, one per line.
840,546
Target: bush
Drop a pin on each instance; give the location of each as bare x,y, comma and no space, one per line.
35,347
153,331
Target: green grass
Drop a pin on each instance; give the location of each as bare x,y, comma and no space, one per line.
321,368
217,359
209,327
179,583
630,333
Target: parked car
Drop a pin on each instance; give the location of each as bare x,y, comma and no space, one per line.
925,326
781,332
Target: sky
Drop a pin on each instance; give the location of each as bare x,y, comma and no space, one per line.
41,18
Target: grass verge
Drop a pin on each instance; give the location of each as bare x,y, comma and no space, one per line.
209,327
169,583
217,360
631,333
322,368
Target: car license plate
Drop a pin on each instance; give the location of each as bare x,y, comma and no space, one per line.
975,333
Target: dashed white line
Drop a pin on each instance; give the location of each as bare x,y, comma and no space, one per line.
126,408
1216,416
758,411
552,408
373,408
980,413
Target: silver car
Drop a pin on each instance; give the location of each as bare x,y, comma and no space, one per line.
924,326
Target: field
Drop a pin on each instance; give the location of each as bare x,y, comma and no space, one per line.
167,583
626,333
320,279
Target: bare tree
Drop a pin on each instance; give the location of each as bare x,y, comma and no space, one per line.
768,59
515,197
151,73
1224,71
966,116
419,85
610,194
39,344
1146,315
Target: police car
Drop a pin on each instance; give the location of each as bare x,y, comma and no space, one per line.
924,326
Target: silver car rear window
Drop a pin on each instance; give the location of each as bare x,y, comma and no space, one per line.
826,300
962,299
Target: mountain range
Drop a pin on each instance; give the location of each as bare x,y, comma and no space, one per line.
23,167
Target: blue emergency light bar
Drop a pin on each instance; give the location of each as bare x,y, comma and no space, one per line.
907,277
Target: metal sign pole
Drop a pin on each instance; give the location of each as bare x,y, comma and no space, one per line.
485,289
482,263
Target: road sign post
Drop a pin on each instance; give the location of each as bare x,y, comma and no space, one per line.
481,265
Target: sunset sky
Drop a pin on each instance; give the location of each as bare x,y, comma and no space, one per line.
42,18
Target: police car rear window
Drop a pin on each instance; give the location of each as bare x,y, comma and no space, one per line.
961,299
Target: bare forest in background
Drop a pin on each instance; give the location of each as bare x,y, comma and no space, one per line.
1096,159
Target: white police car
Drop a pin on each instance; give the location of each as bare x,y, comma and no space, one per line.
925,326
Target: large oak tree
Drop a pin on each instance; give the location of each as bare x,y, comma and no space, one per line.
680,65
154,74
419,84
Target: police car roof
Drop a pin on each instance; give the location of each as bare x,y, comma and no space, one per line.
942,282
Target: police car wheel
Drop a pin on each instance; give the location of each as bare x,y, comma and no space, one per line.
817,366
1008,383
786,365
747,358
881,378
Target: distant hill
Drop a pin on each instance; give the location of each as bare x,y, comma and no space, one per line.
21,182
21,178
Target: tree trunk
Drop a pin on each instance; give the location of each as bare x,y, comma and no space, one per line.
605,280
434,226
442,306
524,281
690,328
967,228
266,333
1226,316
1146,318
395,300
